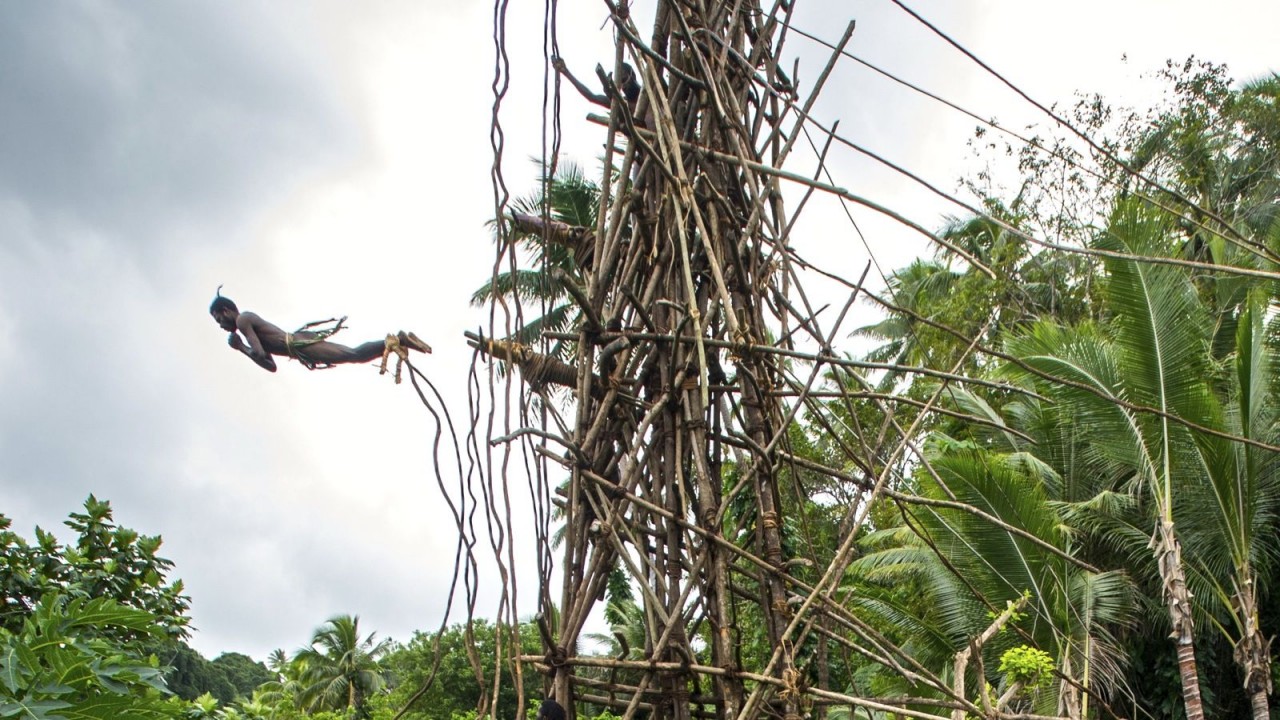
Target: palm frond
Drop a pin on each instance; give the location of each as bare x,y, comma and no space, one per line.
1082,357
1162,325
569,196
558,319
969,402
1102,603
526,285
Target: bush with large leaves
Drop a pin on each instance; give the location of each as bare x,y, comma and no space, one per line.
65,662
105,561
79,620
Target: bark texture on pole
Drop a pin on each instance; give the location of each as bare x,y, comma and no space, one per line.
679,468
686,247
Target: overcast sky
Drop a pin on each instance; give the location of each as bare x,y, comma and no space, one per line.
327,158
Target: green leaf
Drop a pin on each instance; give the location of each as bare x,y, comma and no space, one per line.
12,669
116,707
32,709
52,688
102,612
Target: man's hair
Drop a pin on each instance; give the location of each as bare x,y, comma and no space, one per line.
550,710
222,303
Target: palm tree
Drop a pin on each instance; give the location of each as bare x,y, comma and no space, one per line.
1233,513
288,685
627,629
1027,287
1159,356
555,249
278,662
1156,360
1220,148
1194,349
341,669
1072,612
919,289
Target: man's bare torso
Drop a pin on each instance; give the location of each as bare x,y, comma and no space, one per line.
273,339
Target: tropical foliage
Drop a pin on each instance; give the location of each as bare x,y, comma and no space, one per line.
340,670
1130,467
66,661
105,560
440,675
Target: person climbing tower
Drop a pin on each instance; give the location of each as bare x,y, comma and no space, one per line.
308,345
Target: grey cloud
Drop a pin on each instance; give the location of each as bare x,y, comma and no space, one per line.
125,126
131,116
89,405
319,573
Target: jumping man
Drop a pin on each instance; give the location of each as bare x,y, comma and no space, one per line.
263,339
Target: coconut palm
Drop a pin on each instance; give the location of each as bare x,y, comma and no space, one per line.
627,629
341,668
571,201
1232,515
1158,358
278,662
1220,148
1071,613
1026,287
919,289
1193,348
288,685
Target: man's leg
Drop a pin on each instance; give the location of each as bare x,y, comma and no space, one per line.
330,353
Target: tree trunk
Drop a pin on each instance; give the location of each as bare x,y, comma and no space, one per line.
1168,554
1069,693
1253,651
1261,708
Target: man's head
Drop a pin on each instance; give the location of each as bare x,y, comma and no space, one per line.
224,311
